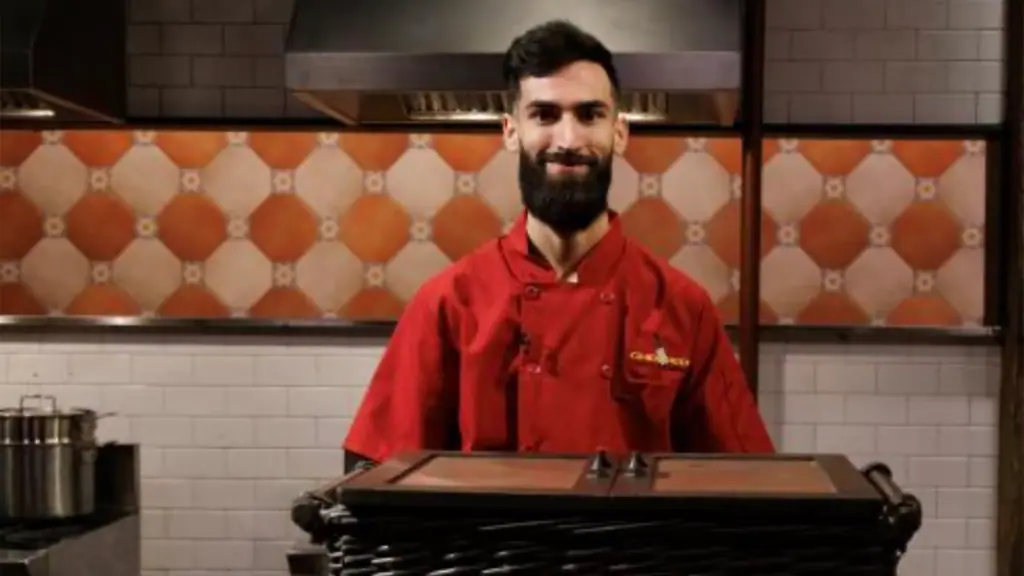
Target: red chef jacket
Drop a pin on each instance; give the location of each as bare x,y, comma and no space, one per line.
496,354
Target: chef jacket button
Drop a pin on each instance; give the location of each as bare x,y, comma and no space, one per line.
533,368
532,292
606,371
607,297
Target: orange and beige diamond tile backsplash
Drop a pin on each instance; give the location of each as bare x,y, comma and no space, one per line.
325,225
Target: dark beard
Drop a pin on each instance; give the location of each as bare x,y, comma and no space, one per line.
570,203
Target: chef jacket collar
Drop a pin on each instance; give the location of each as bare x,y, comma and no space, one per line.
597,267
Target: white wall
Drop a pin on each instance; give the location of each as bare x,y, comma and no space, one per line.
884,61
233,429
836,61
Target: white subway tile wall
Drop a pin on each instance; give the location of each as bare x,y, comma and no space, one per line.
827,61
233,429
884,61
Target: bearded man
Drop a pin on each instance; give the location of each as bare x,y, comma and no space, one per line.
563,336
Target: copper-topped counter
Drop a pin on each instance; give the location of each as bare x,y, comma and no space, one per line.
749,476
497,473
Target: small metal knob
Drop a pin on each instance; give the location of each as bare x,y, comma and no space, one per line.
636,466
599,465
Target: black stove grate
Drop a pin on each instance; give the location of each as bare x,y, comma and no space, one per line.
39,534
382,545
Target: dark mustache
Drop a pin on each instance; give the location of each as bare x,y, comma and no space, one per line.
567,158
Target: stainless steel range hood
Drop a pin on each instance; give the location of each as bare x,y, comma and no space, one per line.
438,62
62,60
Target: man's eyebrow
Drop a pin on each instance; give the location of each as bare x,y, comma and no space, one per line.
585,104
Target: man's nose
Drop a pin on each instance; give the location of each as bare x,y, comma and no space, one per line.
568,134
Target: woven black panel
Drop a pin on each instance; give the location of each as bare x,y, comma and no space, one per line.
374,543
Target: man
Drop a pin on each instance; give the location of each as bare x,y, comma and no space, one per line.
564,335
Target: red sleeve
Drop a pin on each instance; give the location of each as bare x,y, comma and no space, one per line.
716,411
410,403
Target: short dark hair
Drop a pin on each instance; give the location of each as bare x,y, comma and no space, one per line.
549,47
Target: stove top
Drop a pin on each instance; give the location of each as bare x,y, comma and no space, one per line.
102,544
39,535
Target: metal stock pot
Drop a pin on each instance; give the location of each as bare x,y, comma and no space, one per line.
47,460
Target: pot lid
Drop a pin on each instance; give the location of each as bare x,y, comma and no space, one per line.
47,407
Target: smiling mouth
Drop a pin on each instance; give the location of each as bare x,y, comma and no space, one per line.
559,167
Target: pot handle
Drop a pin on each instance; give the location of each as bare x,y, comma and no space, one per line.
51,399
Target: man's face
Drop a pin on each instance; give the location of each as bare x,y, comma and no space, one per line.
566,130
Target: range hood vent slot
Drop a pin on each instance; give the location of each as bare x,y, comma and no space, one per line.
455,106
22,104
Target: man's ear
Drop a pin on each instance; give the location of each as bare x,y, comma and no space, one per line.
510,132
621,134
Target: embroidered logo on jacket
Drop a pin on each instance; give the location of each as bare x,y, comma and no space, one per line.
660,358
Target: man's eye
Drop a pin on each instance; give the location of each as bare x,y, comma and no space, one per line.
546,115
